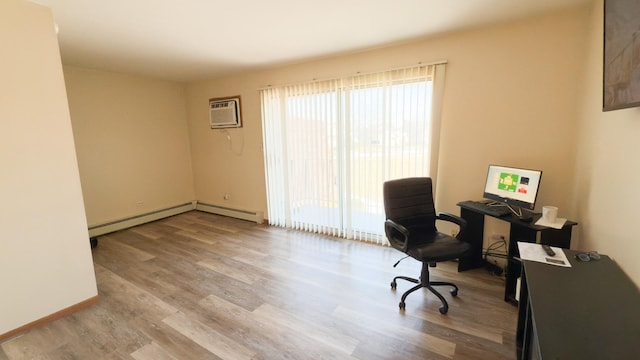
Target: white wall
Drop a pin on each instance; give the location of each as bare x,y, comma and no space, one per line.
45,258
607,167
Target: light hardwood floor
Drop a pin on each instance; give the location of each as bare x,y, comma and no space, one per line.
201,286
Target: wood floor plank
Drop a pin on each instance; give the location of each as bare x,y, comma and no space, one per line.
173,342
239,272
429,342
266,338
203,286
215,342
378,347
152,351
133,300
325,335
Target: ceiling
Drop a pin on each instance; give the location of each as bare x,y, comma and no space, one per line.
186,40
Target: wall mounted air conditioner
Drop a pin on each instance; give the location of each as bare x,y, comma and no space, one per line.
225,112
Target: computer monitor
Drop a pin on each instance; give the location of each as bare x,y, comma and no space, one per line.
512,186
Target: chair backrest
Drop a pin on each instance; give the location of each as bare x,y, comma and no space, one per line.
409,202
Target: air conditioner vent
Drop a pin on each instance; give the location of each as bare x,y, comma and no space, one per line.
225,112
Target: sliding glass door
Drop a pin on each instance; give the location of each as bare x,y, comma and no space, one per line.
330,145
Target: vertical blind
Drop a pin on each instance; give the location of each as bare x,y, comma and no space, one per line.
330,145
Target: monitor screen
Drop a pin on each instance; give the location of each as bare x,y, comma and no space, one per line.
512,186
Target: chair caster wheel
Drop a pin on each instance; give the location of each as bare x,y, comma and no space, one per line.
454,292
394,285
443,310
402,305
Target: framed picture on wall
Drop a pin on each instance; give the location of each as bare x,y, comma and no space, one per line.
621,73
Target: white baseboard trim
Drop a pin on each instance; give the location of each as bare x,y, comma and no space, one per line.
256,216
102,229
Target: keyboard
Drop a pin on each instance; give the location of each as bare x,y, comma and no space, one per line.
497,211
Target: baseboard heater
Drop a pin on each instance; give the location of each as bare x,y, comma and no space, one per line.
256,216
106,228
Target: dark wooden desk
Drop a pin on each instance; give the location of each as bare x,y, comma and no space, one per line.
519,231
589,311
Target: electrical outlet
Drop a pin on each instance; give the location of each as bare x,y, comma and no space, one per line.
227,196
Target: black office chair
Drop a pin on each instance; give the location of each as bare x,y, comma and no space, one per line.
411,228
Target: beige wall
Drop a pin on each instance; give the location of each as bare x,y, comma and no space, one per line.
45,259
510,98
227,161
606,191
132,142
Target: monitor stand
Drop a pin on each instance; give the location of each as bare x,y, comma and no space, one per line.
523,215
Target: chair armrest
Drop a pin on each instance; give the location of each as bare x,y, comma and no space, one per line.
391,227
462,223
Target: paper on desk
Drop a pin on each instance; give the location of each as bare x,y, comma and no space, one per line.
558,224
534,252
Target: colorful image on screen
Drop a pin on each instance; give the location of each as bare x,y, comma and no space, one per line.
512,185
508,182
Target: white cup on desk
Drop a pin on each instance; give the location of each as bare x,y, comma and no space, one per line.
549,213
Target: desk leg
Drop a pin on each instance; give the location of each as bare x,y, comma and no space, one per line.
474,234
516,233
523,328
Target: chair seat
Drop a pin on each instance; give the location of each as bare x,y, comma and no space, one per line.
438,247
